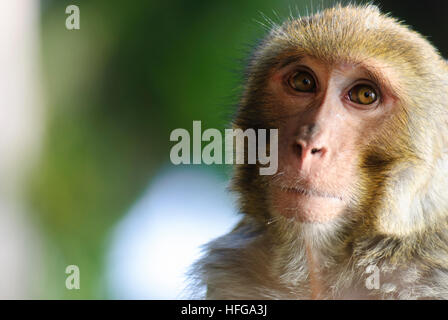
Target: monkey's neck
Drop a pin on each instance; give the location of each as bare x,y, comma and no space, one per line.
312,256
315,279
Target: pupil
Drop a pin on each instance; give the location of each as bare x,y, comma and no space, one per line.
306,81
367,94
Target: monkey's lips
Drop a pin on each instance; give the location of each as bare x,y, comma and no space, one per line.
310,192
307,204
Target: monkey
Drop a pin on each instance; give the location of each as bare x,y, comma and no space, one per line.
360,101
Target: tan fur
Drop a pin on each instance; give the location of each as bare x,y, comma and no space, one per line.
398,221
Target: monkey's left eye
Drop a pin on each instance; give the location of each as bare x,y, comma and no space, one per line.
363,94
302,81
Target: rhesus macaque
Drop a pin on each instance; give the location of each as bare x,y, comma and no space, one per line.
358,208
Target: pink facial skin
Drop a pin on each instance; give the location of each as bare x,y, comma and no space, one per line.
321,136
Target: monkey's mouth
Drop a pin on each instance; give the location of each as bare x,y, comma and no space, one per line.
309,192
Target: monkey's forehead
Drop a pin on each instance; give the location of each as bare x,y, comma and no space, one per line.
351,34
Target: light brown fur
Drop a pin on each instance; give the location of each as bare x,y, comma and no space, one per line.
398,220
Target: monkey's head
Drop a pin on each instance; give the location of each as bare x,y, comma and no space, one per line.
360,104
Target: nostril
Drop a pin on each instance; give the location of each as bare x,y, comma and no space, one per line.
303,150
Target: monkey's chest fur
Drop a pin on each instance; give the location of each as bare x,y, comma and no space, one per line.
248,264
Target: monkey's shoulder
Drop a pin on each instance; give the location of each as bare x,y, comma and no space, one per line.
237,266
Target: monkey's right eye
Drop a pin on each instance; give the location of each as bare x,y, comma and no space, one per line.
363,94
302,81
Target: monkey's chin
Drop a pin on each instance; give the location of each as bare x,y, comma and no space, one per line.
307,206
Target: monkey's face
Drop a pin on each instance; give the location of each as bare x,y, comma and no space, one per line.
359,102
326,116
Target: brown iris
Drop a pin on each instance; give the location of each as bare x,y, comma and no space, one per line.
302,81
363,94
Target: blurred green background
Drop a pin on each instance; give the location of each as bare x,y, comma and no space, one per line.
115,89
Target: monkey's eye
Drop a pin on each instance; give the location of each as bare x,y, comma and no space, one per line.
363,94
302,81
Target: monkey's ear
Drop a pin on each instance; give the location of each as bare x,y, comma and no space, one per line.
416,201
401,215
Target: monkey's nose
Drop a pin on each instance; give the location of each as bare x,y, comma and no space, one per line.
303,150
316,150
309,153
